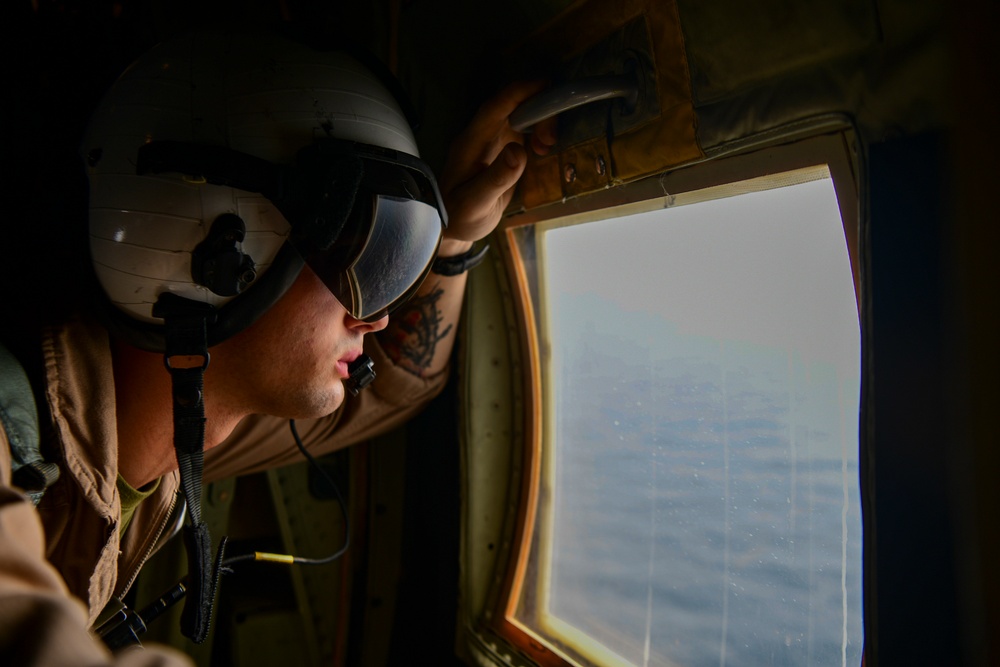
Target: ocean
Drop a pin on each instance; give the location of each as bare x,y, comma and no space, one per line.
703,502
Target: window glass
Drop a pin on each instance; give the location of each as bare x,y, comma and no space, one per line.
699,500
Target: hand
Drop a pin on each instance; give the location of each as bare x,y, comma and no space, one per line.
483,166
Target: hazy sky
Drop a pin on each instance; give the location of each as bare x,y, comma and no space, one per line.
769,268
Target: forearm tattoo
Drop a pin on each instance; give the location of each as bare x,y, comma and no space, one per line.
415,332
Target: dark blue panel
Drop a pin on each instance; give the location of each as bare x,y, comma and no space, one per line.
911,573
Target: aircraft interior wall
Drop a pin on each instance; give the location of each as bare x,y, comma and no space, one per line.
912,83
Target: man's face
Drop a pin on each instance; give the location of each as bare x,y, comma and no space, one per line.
291,363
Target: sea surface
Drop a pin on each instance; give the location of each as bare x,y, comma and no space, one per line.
702,498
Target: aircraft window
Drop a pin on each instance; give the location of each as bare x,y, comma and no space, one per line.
698,495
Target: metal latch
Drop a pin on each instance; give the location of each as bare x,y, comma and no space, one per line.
618,71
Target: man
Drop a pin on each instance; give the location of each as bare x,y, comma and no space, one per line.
257,209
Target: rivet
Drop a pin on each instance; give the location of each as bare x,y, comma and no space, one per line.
188,397
570,173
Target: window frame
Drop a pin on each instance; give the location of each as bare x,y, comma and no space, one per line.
836,147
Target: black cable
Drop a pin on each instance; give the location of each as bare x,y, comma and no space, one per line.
126,631
340,501
300,560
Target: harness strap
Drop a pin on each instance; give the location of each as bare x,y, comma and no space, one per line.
186,358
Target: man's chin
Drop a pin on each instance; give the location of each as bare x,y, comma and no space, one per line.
333,402
321,404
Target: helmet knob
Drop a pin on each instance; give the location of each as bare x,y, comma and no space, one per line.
218,263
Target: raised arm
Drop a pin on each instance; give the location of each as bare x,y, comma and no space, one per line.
483,166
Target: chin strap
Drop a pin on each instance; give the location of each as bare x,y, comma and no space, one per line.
186,324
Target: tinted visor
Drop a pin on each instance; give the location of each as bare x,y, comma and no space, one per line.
391,234
387,259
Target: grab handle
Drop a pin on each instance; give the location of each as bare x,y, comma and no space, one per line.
573,94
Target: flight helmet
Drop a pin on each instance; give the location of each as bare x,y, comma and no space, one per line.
221,163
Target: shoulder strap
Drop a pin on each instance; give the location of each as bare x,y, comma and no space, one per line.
19,420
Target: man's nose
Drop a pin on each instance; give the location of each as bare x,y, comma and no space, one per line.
364,327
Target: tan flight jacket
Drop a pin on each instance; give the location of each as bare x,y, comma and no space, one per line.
60,564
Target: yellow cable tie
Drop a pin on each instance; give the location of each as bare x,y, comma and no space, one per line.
274,558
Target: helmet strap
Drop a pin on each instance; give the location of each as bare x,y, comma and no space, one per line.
186,358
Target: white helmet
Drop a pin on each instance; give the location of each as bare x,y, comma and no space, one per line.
219,163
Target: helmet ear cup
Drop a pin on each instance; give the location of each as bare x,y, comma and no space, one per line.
219,263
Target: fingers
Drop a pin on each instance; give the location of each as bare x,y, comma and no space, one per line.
489,132
543,136
497,180
486,161
513,160
479,201
490,125
496,111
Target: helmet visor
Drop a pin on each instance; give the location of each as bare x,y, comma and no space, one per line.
391,233
388,263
